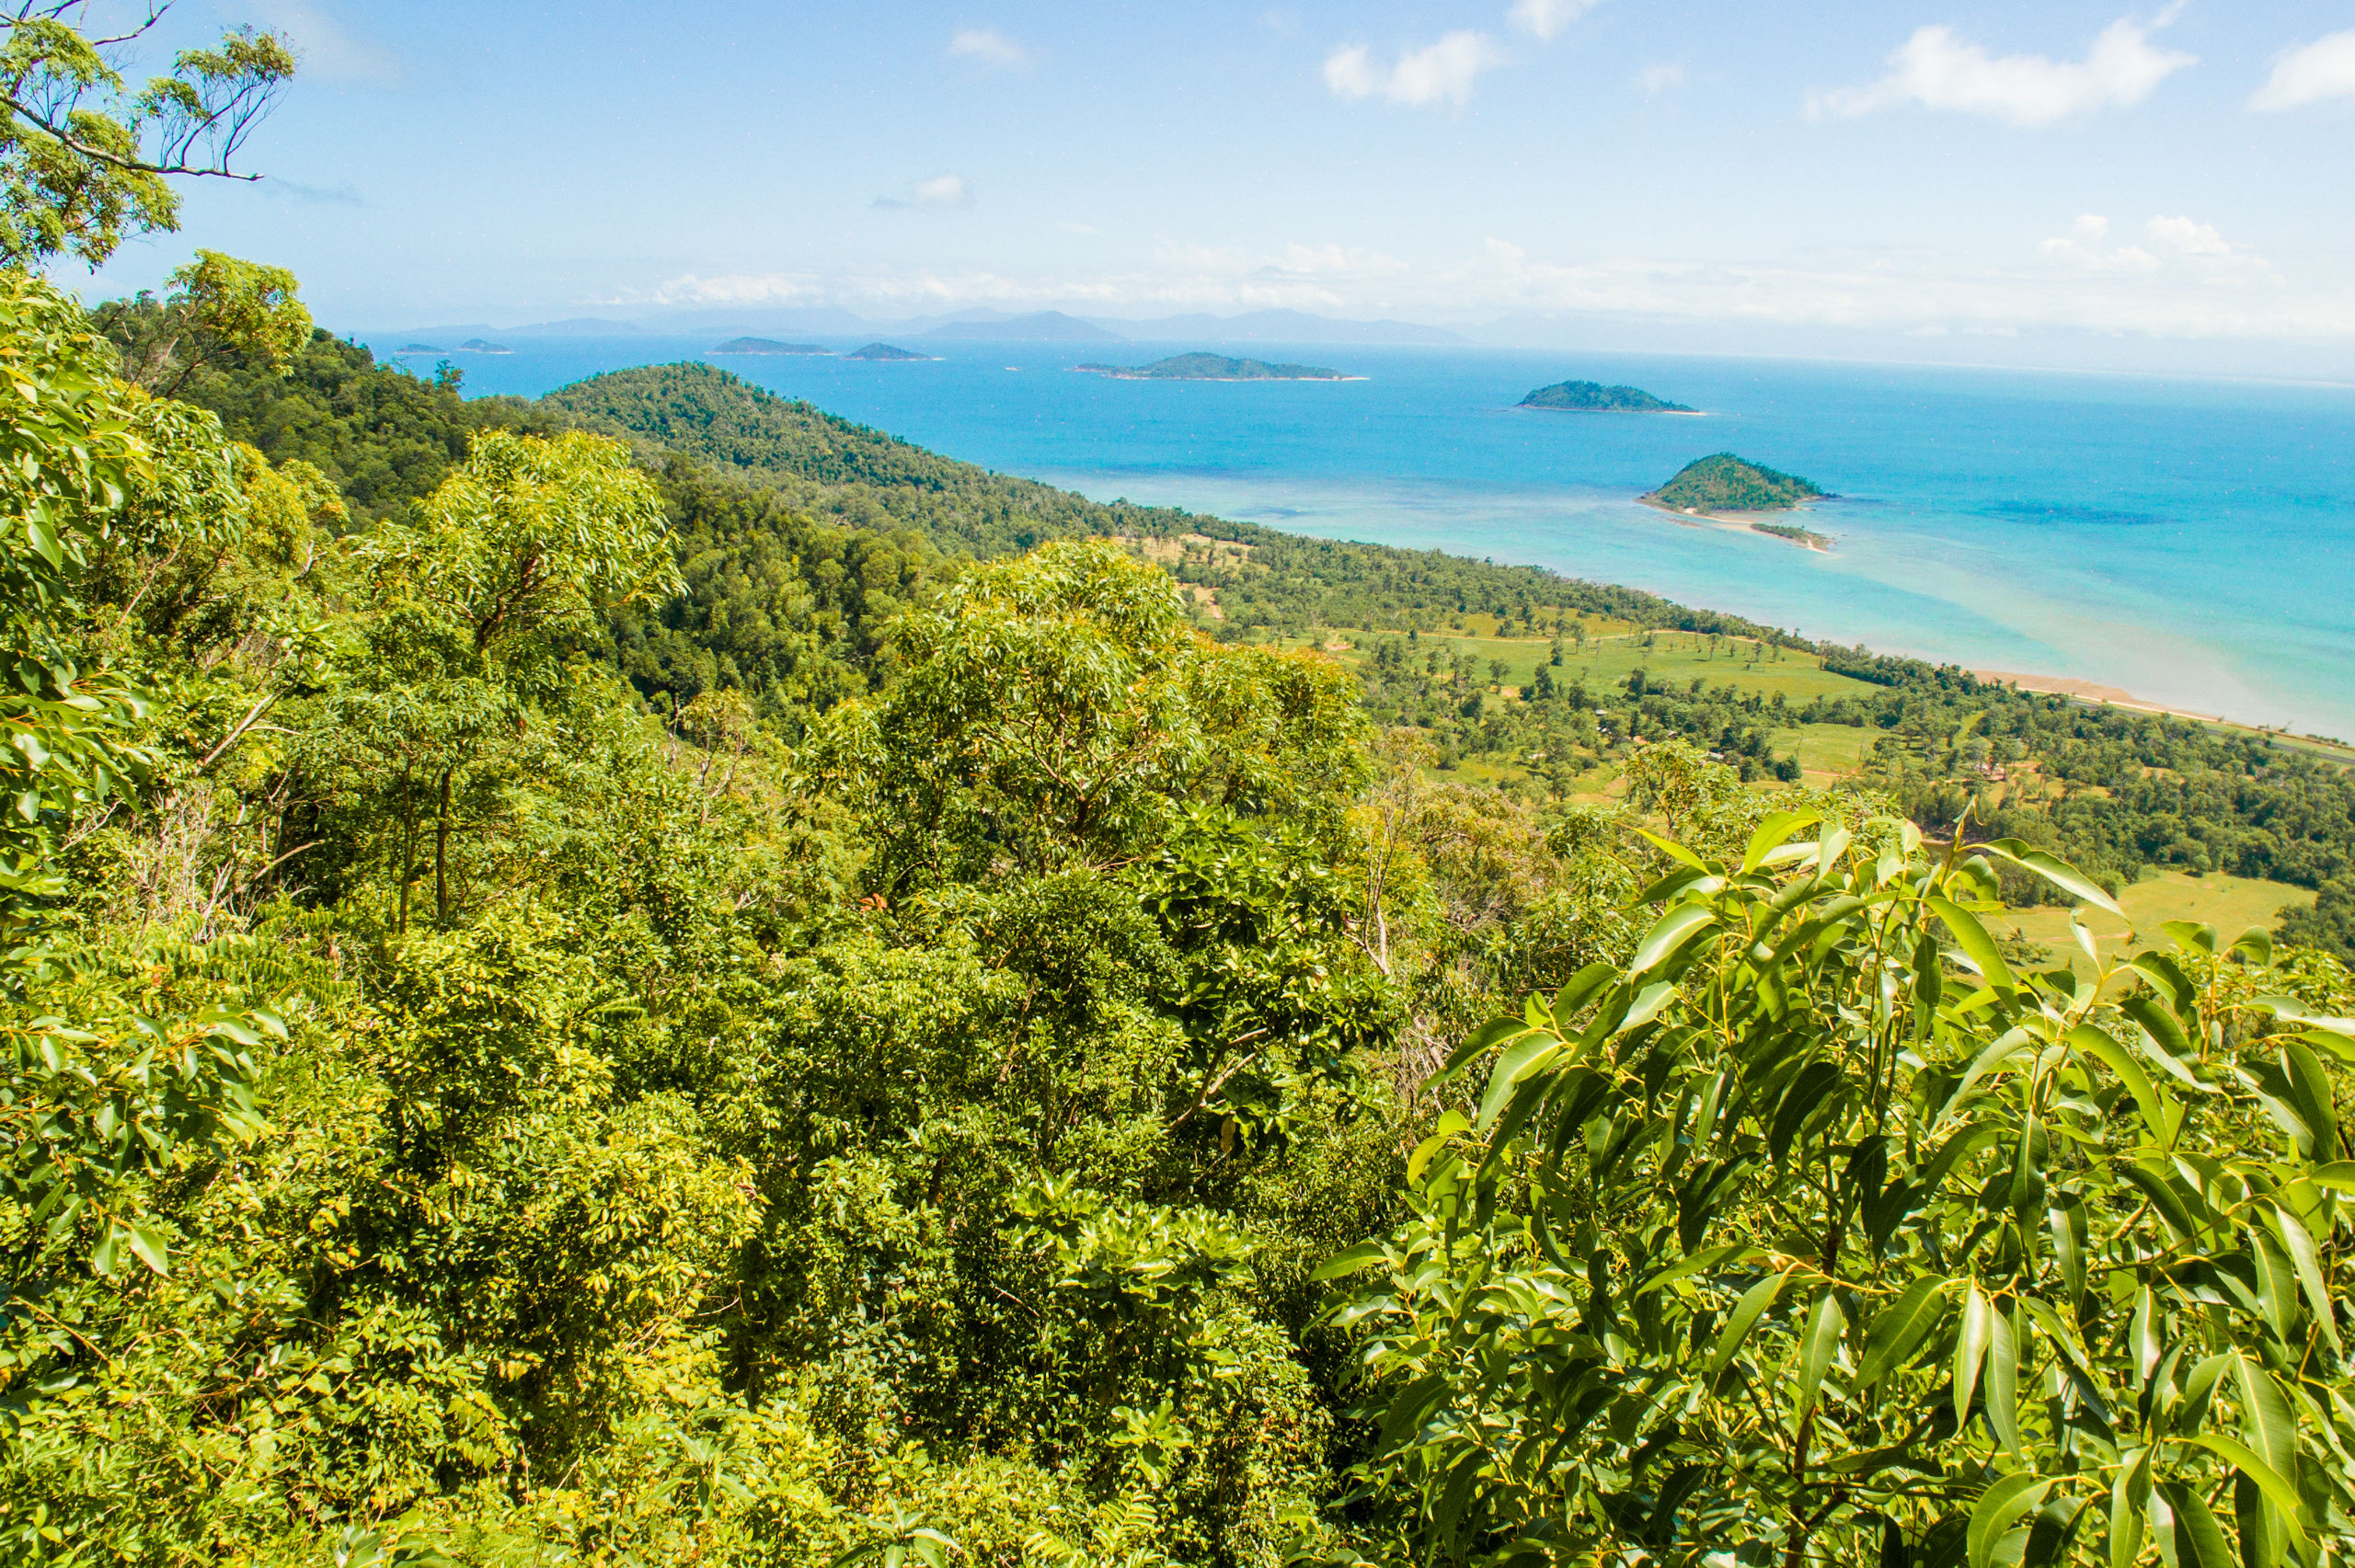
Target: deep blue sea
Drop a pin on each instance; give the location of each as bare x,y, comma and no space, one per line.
2192,542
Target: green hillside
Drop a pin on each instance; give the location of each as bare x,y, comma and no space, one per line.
1726,483
1593,398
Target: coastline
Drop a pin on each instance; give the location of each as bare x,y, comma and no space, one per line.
2093,691
1740,523
1672,413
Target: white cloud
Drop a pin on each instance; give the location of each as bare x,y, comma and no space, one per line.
1071,228
1437,71
2191,251
1937,69
1660,78
2309,73
941,190
987,46
1547,19
732,289
325,49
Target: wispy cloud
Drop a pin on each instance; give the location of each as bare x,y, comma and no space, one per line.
2309,73
1663,77
941,190
730,289
326,50
989,47
342,194
1438,73
1937,69
1548,18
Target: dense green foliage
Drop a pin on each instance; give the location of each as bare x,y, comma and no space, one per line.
1592,396
1727,482
1213,367
1817,1233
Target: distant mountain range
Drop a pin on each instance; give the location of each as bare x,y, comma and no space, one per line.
1036,327
1039,326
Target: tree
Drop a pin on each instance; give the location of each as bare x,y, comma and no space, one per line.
219,307
82,161
1818,1233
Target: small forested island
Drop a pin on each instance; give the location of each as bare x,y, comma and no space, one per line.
1593,398
1214,367
1726,483
477,345
768,345
884,351
420,349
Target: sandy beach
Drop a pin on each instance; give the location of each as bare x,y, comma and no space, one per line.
1745,522
2090,691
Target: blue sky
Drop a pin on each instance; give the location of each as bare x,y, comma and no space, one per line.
1913,169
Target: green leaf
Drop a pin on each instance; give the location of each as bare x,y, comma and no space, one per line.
1711,1258
1489,1034
2188,1537
1970,1350
2307,1260
2338,1175
1675,928
2160,1112
1746,1311
2272,1426
1449,1126
2059,872
2003,1380
1773,833
2278,1490
1674,850
1998,1509
148,1243
2164,1033
2129,1496
1363,1256
1899,1327
2310,1093
1822,1340
1976,944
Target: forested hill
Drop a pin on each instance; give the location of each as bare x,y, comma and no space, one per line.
862,477
800,535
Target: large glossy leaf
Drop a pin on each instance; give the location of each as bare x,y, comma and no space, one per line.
2057,872
1972,938
2187,1533
1817,1347
1970,1343
1672,931
1901,1325
1999,1508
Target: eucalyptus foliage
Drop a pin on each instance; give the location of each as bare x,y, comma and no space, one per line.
1819,1232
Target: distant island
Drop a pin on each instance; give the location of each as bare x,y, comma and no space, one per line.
420,348
477,345
768,345
1712,487
884,351
1593,398
1214,367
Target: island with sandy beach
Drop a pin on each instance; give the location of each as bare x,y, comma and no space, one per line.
1214,367
1734,492
1593,398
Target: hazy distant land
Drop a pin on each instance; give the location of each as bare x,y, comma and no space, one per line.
1214,367
767,346
884,351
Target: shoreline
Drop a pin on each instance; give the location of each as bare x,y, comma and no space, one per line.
1741,522
2093,691
1672,413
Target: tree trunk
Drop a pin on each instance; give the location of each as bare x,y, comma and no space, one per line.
442,856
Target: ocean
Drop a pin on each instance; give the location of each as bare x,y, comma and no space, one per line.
2190,542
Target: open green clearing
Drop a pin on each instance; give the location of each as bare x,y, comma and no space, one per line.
2230,904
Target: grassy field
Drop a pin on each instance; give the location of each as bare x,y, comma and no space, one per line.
1604,660
2230,904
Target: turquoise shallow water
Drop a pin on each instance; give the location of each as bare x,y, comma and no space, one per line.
2192,542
